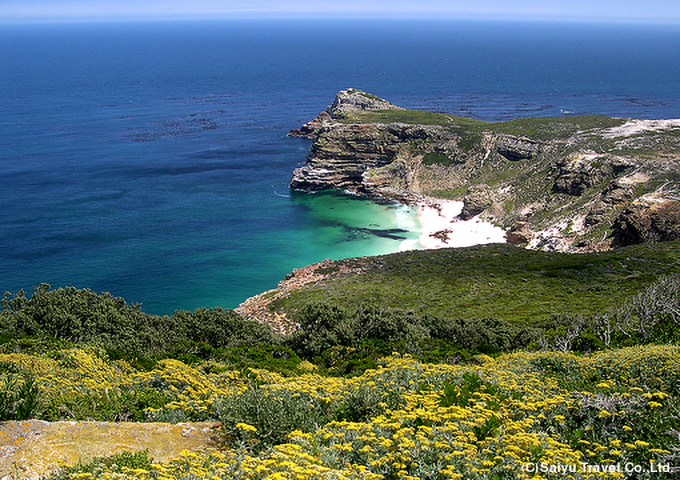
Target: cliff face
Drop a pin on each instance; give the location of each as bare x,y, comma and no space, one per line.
366,158
567,184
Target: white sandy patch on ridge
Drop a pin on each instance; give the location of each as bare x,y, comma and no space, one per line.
441,227
634,127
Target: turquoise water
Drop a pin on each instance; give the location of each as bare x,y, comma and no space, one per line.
151,160
345,226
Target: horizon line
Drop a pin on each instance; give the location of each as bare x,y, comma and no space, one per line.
25,20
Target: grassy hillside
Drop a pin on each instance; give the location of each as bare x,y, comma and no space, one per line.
501,281
538,128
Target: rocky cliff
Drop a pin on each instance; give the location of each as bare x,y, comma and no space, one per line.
567,184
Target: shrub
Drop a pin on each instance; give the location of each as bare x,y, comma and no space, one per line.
118,463
18,401
112,405
654,313
322,326
220,328
590,419
261,417
491,335
363,403
352,361
651,316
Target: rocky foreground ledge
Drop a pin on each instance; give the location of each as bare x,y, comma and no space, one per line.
562,184
34,449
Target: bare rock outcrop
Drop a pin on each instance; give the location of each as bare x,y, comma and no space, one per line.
33,449
648,219
309,129
582,170
477,199
341,154
352,100
517,148
347,102
519,234
349,156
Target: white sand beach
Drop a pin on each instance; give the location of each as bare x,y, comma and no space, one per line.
441,227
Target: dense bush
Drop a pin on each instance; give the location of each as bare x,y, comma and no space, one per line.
350,340
80,316
490,281
114,405
597,418
77,316
490,335
322,326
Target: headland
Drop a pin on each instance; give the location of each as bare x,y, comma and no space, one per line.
570,184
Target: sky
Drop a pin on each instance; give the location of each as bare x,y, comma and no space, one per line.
645,11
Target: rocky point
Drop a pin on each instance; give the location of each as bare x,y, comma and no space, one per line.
566,184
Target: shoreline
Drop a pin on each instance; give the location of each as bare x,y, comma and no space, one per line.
441,226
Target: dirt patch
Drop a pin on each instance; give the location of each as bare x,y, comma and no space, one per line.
257,307
32,449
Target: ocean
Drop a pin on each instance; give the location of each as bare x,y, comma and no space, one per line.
150,160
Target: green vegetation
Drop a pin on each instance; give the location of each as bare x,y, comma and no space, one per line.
61,318
407,419
415,117
431,158
443,305
549,128
446,364
115,463
494,281
18,401
348,340
273,416
367,95
537,128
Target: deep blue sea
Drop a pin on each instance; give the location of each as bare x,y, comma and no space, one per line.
150,160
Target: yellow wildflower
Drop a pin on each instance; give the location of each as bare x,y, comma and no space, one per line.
245,427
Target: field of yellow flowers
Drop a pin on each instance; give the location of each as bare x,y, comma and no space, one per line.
612,414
